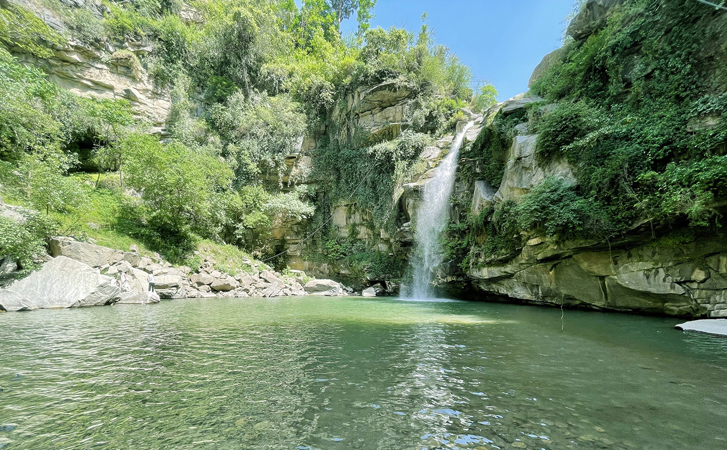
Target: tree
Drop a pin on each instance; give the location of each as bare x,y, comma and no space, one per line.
343,9
176,183
486,97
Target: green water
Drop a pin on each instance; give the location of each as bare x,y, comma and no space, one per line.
317,373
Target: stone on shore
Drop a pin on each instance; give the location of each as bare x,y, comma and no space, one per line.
716,327
138,298
60,283
326,288
91,254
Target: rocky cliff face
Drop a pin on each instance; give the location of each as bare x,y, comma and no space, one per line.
103,70
635,272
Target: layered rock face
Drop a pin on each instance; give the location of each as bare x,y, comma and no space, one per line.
636,273
374,113
105,71
689,280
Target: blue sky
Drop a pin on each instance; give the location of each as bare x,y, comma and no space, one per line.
501,40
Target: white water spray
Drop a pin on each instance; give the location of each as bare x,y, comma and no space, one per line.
431,219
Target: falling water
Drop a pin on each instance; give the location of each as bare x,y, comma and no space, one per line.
432,216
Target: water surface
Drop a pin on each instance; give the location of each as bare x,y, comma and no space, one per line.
321,373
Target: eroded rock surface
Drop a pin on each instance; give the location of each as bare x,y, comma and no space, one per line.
687,280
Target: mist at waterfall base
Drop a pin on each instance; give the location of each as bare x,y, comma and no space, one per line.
431,219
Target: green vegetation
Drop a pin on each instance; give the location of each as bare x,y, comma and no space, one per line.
361,263
641,114
639,111
248,80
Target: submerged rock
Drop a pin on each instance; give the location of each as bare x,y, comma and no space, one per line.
61,283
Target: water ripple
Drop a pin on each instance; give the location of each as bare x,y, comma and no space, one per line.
346,373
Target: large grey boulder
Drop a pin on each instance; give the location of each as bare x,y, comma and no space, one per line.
224,284
170,286
369,292
91,254
326,288
519,102
201,279
61,283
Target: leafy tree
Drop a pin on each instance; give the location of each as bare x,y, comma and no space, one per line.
25,240
176,183
261,132
486,97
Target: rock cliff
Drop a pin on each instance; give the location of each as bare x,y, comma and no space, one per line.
106,70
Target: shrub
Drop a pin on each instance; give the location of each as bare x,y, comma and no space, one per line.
25,241
555,208
564,125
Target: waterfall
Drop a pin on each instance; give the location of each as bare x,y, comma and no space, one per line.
431,219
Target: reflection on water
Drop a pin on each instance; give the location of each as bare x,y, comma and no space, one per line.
317,373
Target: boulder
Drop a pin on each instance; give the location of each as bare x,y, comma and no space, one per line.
545,64
201,279
369,292
60,283
297,290
169,286
373,291
138,298
225,284
246,280
271,277
8,265
90,254
144,262
138,280
132,258
519,102
326,288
